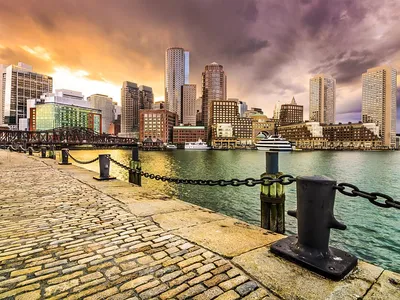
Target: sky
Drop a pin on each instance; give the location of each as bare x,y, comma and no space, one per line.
269,48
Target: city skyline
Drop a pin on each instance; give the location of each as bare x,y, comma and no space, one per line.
259,45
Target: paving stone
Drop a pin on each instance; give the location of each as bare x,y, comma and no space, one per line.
173,292
190,261
34,295
232,283
246,288
230,295
59,288
199,279
65,277
147,286
190,292
154,291
171,276
90,277
103,294
221,269
25,271
217,279
209,294
205,268
182,279
136,282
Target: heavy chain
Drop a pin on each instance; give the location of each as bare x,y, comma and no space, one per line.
372,197
121,165
266,181
83,162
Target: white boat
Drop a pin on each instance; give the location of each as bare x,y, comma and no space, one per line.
274,143
171,147
199,145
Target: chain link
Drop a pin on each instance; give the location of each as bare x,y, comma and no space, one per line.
83,162
266,181
387,201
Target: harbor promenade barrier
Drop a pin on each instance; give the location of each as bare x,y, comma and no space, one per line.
315,203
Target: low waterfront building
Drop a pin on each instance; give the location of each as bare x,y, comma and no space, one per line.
313,135
64,108
157,123
224,138
261,124
183,134
291,113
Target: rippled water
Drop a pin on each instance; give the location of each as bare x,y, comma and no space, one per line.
373,233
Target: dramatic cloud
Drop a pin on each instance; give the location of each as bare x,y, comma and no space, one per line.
269,49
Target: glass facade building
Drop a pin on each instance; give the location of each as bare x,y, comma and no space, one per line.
45,116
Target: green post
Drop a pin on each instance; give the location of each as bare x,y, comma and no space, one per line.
272,197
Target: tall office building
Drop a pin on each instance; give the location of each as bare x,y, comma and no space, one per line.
379,91
214,85
105,104
291,113
242,108
176,75
277,110
129,108
188,104
19,84
322,99
2,70
146,97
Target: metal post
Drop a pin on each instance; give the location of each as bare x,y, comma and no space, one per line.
30,150
272,197
135,177
43,151
64,157
51,152
104,163
315,201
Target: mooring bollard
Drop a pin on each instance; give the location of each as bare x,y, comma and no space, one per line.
43,151
135,177
104,163
30,151
52,154
64,157
310,248
272,197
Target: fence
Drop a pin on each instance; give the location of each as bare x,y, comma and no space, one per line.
315,203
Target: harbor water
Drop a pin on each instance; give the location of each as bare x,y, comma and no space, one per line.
372,234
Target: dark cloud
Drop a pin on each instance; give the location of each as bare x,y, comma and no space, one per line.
262,44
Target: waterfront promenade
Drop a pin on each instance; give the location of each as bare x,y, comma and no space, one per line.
64,235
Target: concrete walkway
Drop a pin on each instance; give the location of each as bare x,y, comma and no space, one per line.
64,235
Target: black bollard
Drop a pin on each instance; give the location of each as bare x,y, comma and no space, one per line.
52,154
43,151
30,150
64,157
310,248
134,173
104,163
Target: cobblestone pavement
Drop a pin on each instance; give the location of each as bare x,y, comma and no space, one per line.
62,239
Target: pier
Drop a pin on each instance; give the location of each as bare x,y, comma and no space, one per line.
65,235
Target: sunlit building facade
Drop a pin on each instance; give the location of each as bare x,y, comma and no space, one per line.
291,113
379,92
129,108
176,75
214,84
322,99
107,108
20,83
157,124
188,104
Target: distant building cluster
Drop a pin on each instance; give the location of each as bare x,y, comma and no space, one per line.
29,103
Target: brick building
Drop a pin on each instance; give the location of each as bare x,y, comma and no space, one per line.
182,134
157,123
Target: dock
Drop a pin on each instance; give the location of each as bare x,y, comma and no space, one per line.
64,235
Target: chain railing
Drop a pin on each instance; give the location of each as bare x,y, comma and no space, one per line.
372,197
83,162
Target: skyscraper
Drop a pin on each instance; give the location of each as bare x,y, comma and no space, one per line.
129,108
176,75
322,99
379,91
214,85
242,108
146,97
105,104
188,104
19,84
